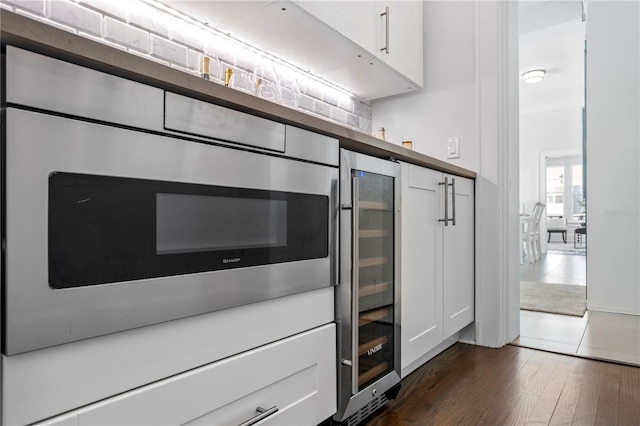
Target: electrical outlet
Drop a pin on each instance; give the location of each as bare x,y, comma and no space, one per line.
453,147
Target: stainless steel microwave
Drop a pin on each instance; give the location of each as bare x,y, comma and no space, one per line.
126,206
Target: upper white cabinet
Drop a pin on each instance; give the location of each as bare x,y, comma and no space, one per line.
342,41
437,262
399,37
391,31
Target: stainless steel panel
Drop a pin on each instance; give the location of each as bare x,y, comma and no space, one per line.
311,146
194,117
39,81
38,144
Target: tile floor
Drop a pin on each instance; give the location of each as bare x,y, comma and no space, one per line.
598,335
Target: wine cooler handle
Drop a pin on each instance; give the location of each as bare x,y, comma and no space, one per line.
263,413
453,200
355,266
446,201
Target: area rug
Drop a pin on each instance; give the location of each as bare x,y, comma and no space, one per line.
553,298
568,248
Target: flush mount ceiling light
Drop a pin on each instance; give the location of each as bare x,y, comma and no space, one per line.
533,76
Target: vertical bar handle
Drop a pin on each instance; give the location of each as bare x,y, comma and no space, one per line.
453,200
446,201
386,15
355,286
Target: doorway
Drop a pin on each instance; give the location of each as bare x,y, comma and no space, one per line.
552,38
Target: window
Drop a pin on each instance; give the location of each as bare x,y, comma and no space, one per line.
564,194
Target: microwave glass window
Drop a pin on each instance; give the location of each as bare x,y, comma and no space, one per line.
105,229
191,223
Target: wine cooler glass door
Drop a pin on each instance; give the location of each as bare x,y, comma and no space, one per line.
373,263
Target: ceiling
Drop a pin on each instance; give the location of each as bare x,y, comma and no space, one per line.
552,35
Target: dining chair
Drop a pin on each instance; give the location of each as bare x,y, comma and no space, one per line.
530,235
557,225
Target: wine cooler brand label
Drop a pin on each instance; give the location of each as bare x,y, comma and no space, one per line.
374,349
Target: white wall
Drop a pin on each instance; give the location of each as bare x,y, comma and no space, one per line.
613,156
470,92
445,107
551,130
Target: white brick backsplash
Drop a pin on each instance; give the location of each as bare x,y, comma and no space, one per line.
290,98
148,18
194,61
346,103
366,126
76,16
156,35
353,120
306,103
149,57
33,6
339,115
188,35
362,109
102,41
119,32
115,8
322,109
45,21
168,50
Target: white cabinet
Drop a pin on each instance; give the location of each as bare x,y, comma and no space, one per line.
356,20
337,40
437,262
390,31
296,375
399,37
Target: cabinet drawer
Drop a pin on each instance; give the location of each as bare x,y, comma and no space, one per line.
297,375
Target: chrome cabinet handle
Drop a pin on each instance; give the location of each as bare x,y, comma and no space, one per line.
355,266
386,15
453,200
446,201
263,413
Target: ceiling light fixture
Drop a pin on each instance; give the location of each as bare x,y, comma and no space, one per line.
533,76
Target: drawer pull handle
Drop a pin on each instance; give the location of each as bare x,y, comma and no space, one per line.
263,413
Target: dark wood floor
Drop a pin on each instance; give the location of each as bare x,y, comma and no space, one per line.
472,385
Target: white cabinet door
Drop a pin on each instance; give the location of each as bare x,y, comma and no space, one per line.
399,37
421,258
437,260
353,19
395,64
459,288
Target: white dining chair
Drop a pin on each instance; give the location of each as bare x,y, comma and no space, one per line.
530,235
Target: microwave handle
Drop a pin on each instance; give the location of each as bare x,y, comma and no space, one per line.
355,266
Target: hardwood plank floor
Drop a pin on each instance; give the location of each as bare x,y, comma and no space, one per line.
471,385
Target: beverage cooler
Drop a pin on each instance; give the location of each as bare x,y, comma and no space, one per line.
367,299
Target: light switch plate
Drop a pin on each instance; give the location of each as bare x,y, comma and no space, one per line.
453,148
